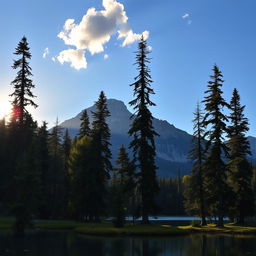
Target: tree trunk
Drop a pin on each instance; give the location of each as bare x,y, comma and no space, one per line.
241,217
145,219
220,222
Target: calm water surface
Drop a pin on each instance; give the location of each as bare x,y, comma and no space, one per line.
53,243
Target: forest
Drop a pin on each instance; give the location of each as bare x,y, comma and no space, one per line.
47,175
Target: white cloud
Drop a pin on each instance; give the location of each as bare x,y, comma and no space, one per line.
46,52
53,59
106,56
131,37
94,31
185,16
76,58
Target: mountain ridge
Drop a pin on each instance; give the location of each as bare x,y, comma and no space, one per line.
172,146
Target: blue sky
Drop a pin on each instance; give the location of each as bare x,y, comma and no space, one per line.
184,49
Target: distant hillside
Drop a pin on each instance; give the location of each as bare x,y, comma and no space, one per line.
172,146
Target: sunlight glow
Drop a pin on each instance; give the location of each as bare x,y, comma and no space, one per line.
5,109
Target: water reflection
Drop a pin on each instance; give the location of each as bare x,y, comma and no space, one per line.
70,244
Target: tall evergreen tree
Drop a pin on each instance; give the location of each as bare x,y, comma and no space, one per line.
102,154
57,172
85,125
27,186
22,97
197,156
43,158
67,142
215,119
240,171
22,138
83,183
22,94
143,133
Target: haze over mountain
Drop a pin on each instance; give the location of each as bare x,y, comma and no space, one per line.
172,145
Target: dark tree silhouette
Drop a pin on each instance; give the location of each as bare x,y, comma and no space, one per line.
67,142
143,133
240,170
102,154
57,171
22,94
83,181
21,143
215,175
124,184
125,171
85,125
44,210
197,155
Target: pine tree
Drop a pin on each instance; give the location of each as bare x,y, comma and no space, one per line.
125,170
191,202
56,165
19,125
66,147
240,170
215,175
22,94
83,182
118,203
21,137
27,186
85,125
43,158
102,154
126,178
67,142
197,156
25,181
143,133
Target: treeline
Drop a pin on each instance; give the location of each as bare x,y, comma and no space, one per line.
45,174
221,183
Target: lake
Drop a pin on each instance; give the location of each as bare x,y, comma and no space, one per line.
172,220
66,243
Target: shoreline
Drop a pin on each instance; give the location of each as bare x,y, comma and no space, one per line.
153,229
166,230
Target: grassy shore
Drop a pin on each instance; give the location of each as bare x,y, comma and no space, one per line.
162,230
131,230
106,228
228,229
8,222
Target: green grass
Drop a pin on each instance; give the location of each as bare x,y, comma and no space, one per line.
57,224
130,230
228,229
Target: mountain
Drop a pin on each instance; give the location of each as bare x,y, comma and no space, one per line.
172,145
252,141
